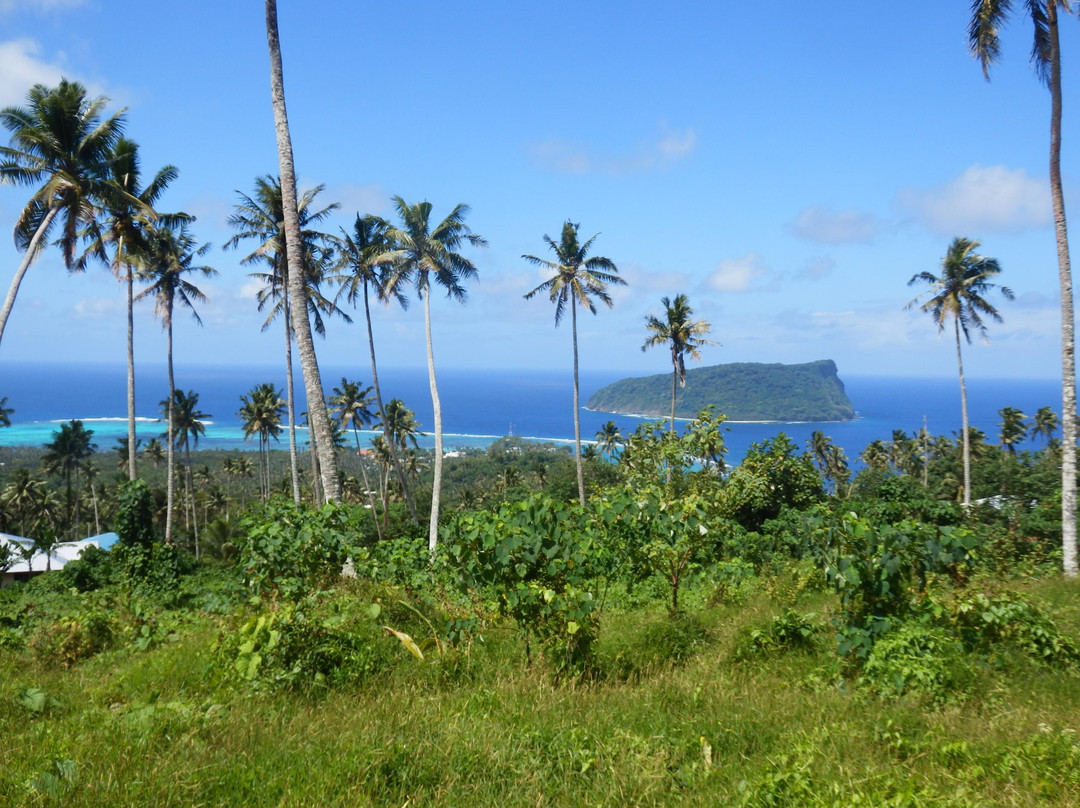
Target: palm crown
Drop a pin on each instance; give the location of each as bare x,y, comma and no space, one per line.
577,275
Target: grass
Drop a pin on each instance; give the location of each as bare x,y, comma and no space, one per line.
168,727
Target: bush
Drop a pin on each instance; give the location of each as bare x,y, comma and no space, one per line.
986,622
916,659
788,631
286,549
666,642
135,514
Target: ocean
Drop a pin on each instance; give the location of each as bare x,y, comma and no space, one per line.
479,406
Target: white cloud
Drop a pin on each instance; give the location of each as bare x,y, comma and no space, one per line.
824,225
982,199
8,6
355,198
816,268
738,274
21,69
568,157
99,308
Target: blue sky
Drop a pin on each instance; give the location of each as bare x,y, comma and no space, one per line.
788,172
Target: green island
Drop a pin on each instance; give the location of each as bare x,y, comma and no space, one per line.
743,391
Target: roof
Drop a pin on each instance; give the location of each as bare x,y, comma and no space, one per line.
62,553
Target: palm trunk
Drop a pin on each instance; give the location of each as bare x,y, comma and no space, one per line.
1068,341
294,463
191,498
577,417
130,361
170,463
318,417
367,486
20,273
405,492
674,393
964,419
436,405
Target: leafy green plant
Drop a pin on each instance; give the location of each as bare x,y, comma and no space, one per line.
533,559
788,631
288,549
984,622
915,658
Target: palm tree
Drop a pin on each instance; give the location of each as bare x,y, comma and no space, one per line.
154,451
1044,424
578,279
1013,429
66,455
5,412
61,144
609,439
363,255
186,425
986,17
875,456
349,406
683,335
260,412
957,295
127,210
261,218
420,252
166,257
22,495
320,418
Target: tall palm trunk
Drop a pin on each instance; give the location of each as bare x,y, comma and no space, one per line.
1068,341
130,277
191,497
674,391
20,273
577,415
318,417
436,406
398,471
963,418
294,463
170,463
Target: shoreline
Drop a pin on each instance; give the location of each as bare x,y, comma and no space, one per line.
645,417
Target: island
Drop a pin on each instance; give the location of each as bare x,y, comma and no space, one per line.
743,391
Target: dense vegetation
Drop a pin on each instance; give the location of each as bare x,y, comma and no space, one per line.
745,391
777,633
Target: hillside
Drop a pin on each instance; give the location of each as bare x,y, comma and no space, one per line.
743,391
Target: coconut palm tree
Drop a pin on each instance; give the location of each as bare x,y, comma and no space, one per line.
682,335
187,425
875,456
1044,424
261,218
22,495
609,439
127,210
61,144
1013,428
66,455
166,257
260,412
5,412
957,295
578,279
425,252
320,417
154,451
986,18
363,254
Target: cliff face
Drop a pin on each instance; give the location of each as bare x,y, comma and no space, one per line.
743,391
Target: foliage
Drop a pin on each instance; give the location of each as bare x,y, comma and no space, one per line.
875,569
286,549
533,559
919,659
665,642
134,522
788,631
773,474
984,622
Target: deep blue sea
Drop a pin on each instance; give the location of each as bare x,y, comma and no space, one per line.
479,406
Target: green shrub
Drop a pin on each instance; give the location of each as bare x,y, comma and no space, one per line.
915,658
986,622
666,642
134,522
287,549
788,631
70,638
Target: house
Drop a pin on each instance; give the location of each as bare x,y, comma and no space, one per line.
24,569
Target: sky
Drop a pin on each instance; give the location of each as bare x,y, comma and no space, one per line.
788,172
